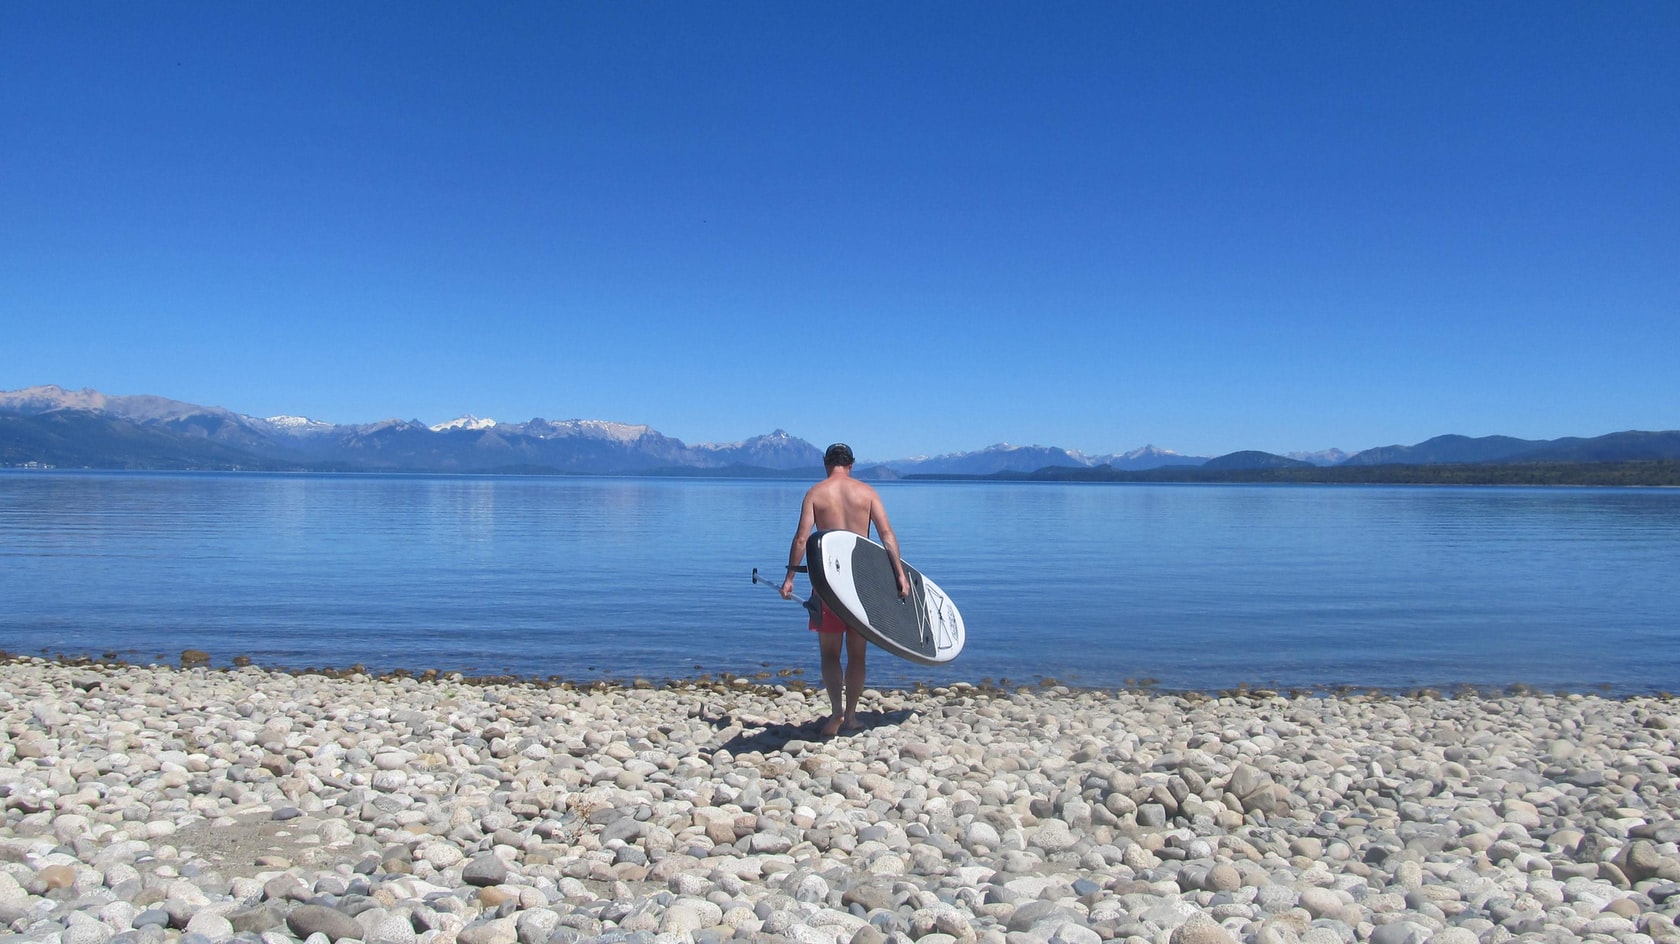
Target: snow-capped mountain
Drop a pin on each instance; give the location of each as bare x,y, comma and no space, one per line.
779,450
1323,457
587,429
298,425
1147,457
141,408
468,421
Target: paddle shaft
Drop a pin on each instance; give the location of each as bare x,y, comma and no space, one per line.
757,579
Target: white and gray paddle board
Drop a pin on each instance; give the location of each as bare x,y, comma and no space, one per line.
854,576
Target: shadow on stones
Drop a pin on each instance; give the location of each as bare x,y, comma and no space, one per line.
776,737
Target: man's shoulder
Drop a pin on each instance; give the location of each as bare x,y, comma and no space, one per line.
825,492
857,487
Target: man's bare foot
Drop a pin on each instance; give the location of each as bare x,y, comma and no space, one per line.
831,726
852,724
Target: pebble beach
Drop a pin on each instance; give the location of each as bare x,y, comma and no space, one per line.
155,804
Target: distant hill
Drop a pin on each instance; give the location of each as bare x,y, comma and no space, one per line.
1251,459
1643,472
83,439
1615,447
1627,446
1002,457
1443,449
1005,457
1630,458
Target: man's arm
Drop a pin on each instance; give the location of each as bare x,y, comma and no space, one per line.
796,553
878,518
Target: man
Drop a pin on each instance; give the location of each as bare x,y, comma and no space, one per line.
840,502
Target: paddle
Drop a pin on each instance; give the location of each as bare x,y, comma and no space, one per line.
810,604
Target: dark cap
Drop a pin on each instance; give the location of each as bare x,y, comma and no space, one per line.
838,454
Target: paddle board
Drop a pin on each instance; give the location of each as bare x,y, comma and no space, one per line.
854,576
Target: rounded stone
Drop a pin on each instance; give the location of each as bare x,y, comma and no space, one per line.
442,855
485,869
1453,935
1054,836
536,925
81,928
12,894
305,920
1200,930
1321,902
498,931
982,835
210,924
1400,932
1223,877
391,928
811,889
55,876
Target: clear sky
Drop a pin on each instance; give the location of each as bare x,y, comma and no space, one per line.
919,227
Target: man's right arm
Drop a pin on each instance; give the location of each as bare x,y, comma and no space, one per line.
796,553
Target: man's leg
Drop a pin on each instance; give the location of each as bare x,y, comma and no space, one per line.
857,652
829,645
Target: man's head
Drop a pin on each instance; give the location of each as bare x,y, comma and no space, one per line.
838,454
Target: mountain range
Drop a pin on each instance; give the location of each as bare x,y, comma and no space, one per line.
48,426
51,426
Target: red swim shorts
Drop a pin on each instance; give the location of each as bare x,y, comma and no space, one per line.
824,620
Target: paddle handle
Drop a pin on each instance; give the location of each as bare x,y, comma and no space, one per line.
774,585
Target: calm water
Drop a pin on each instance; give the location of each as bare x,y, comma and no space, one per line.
1203,587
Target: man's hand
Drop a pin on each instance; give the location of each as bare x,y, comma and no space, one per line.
787,588
903,587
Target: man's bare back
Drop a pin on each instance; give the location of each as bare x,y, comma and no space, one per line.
844,503
841,502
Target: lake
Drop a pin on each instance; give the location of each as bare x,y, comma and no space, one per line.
1204,587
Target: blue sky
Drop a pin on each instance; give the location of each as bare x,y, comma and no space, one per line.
920,227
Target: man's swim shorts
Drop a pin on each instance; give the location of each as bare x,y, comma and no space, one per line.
824,620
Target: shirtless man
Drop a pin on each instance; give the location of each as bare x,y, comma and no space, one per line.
841,502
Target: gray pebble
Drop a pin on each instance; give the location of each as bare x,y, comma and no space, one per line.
307,920
485,869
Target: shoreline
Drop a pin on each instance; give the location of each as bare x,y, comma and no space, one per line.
149,805
793,677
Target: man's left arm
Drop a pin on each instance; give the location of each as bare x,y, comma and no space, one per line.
889,540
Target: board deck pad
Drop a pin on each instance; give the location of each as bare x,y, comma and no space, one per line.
854,576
